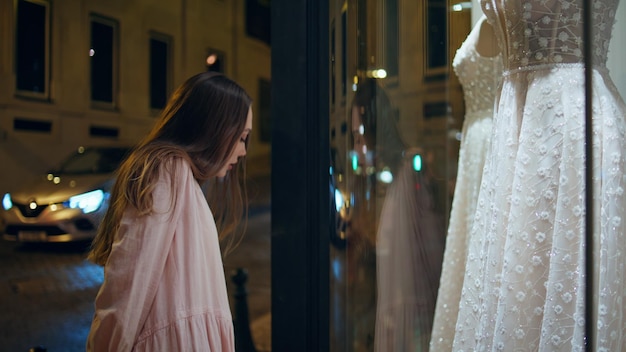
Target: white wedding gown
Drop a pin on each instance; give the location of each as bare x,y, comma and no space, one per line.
524,280
479,75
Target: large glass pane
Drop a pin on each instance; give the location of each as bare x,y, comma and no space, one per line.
478,175
393,145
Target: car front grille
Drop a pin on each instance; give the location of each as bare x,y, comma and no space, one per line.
28,212
84,225
50,230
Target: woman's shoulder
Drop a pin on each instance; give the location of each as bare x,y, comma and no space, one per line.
173,181
174,167
175,162
162,155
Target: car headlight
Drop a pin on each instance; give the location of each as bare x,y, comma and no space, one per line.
87,202
6,201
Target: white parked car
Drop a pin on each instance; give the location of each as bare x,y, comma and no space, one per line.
66,204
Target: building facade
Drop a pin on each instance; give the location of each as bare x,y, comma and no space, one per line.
91,72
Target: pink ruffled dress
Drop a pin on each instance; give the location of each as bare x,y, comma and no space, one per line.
164,287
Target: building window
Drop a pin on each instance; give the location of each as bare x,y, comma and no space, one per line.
258,20
361,36
392,34
32,49
215,61
436,37
344,50
103,53
160,70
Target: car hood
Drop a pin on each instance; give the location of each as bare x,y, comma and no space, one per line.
45,191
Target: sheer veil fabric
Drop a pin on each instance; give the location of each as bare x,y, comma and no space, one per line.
524,278
409,250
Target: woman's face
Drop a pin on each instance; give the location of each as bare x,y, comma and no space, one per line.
239,150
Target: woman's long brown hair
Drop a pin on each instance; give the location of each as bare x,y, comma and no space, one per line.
201,124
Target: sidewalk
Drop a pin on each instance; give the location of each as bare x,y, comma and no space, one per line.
254,255
48,290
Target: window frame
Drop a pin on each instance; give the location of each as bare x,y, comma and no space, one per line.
432,71
168,40
115,50
45,95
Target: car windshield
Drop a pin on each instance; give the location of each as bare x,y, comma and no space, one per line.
98,160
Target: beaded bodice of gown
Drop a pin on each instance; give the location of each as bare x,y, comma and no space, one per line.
479,75
548,32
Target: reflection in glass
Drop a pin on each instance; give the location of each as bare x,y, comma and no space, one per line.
409,236
436,35
394,234
394,153
388,184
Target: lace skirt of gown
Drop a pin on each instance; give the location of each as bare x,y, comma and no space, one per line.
474,144
524,281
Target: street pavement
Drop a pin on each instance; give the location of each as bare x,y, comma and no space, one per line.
47,290
47,294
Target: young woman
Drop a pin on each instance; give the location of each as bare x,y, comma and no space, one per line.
164,287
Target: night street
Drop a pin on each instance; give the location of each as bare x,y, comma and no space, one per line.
47,296
48,290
